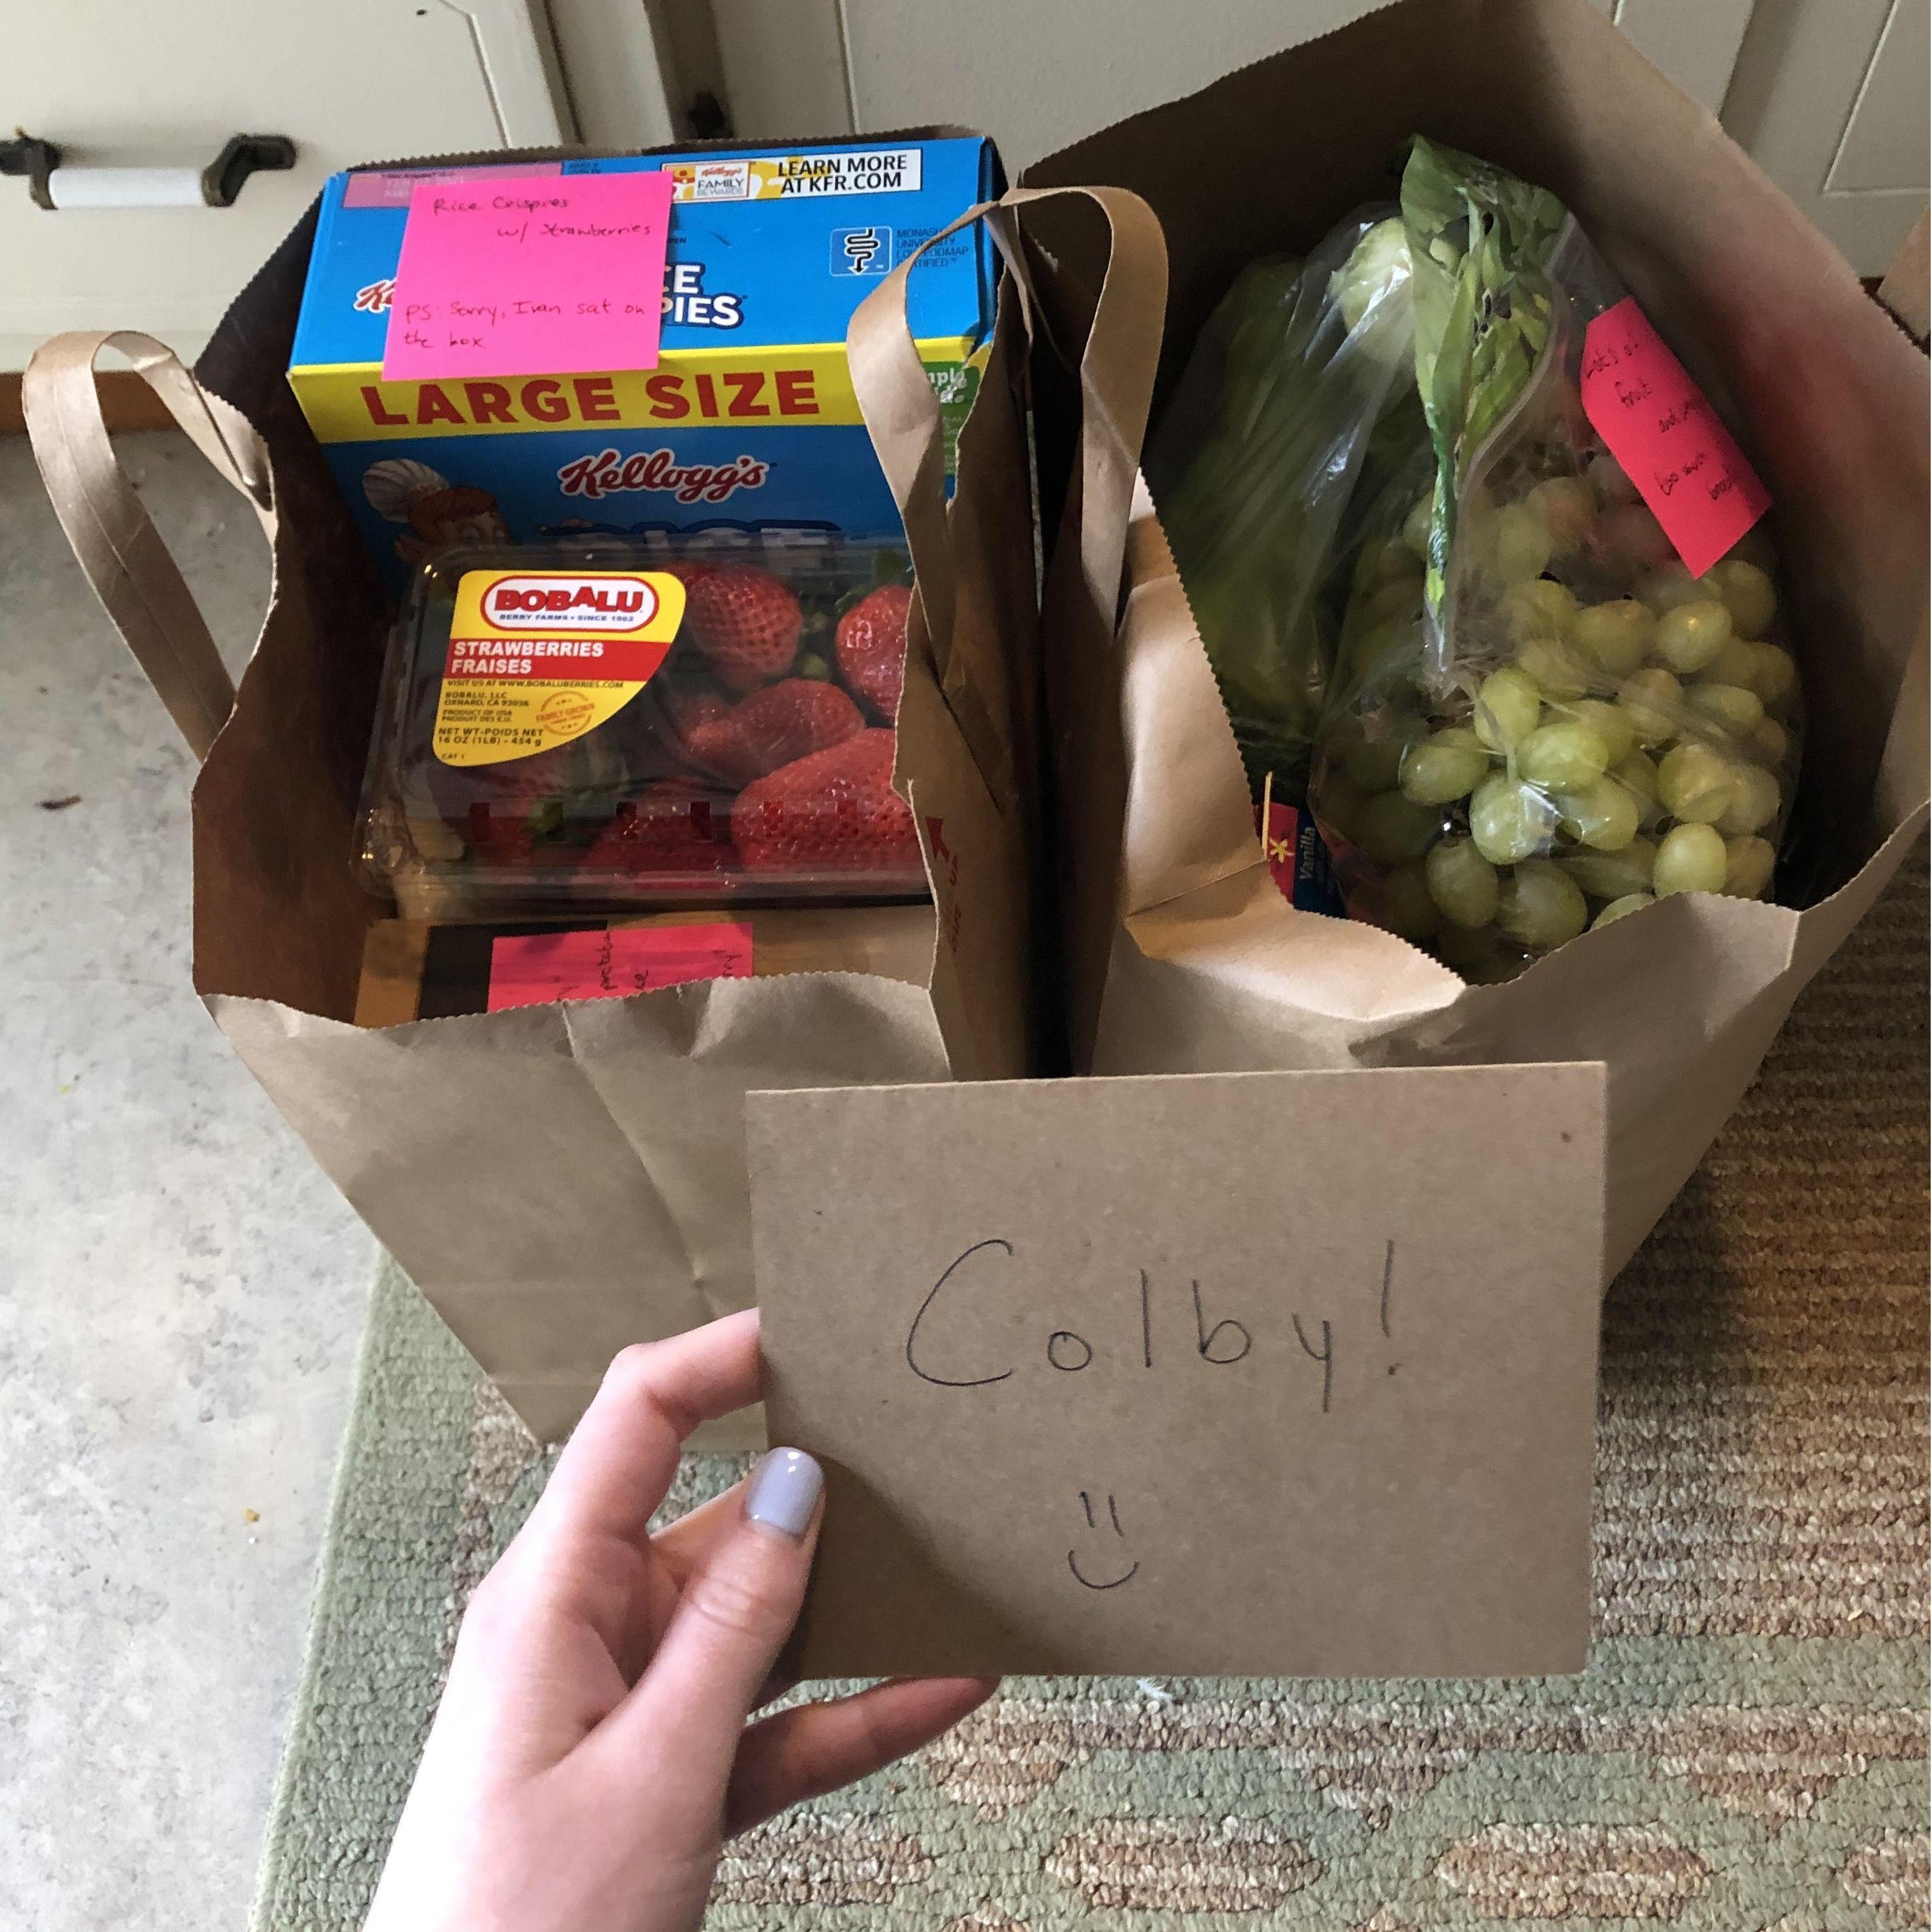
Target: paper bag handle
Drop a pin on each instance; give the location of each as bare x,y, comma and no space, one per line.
118,548
1116,373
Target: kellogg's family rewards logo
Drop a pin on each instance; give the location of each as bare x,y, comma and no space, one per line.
609,473
846,171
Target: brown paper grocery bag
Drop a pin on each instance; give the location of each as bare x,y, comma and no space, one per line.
1183,956
558,1180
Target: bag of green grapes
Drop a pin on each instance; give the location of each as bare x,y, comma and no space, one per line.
1540,720
1451,612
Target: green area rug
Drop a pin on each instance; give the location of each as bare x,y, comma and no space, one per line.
1748,1749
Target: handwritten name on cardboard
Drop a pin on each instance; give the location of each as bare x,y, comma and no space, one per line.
1255,1373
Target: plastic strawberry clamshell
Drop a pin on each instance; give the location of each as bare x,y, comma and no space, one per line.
612,724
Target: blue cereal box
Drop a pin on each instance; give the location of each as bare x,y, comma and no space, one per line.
747,428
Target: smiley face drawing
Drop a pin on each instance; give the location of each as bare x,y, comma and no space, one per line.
1073,1556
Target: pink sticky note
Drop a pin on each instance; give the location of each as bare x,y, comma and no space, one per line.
1661,427
530,275
538,969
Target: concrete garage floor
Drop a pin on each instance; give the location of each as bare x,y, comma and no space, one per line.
181,1292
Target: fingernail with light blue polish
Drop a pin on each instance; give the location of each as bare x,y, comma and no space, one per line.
784,1492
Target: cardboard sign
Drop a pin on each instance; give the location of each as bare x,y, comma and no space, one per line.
530,275
536,969
1269,1373
1661,427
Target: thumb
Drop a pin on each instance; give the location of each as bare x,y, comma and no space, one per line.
736,1610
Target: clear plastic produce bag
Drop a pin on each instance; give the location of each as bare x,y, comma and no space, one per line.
1298,414
1538,720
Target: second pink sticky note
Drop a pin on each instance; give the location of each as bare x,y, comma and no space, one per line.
530,275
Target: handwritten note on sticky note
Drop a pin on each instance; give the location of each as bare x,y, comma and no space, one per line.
1661,427
538,969
1277,1373
530,275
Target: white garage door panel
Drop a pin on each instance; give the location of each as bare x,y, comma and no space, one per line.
349,81
1885,146
1830,100
1037,76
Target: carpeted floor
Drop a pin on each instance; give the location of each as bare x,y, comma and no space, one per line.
1747,1750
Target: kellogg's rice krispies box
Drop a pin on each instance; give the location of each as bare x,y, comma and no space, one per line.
746,428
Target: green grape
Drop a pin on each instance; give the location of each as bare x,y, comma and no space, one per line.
1602,815
1622,908
1389,562
1754,802
1772,740
1510,821
1523,543
1628,531
1730,706
1749,594
1389,828
1696,782
1560,672
1690,860
1689,636
1399,599
1540,609
1567,508
1470,950
1462,883
1617,635
1508,707
1774,675
1735,664
1609,483
1402,904
1748,864
1638,776
1670,584
1655,701
1539,905
1447,765
1565,758
1613,875
1613,725
1376,763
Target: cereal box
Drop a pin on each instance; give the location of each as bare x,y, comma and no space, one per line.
747,428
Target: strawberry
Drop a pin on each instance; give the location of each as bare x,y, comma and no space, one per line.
872,647
498,836
782,723
524,799
686,714
834,811
745,622
671,828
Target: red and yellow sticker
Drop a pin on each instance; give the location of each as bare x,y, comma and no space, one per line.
537,658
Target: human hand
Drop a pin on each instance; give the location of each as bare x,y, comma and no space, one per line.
591,1755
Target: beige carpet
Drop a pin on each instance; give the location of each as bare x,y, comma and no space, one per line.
1748,1749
